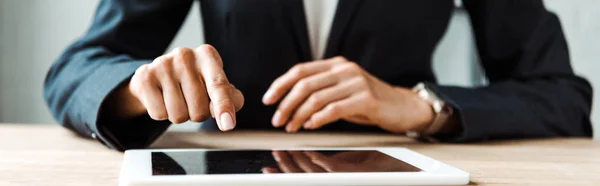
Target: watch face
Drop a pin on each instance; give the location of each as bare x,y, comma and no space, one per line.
437,106
423,94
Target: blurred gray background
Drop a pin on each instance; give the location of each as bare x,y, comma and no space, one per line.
33,33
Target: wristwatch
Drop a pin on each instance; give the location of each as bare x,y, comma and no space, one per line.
440,109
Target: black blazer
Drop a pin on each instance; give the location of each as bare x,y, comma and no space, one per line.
533,91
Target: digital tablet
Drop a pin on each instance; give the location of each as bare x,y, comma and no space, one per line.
294,166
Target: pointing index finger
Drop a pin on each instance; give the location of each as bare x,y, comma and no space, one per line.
217,86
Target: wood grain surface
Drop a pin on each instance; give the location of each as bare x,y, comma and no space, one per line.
52,155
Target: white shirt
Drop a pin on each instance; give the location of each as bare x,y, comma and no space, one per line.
319,18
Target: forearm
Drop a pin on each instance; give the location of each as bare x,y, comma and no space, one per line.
82,108
543,107
85,88
533,90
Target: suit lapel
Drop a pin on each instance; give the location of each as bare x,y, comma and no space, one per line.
343,16
295,9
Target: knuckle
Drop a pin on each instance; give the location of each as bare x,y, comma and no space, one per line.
332,109
156,118
298,70
202,114
340,58
186,62
315,101
223,104
182,51
179,118
144,73
362,80
184,54
317,118
146,77
198,117
158,115
180,66
163,62
300,65
195,117
351,66
142,69
304,85
204,117
210,55
219,81
161,59
206,48
184,59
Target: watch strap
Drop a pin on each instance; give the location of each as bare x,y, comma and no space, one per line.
442,113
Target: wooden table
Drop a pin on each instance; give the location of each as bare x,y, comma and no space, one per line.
51,155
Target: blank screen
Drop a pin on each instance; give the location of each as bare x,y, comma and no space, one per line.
274,162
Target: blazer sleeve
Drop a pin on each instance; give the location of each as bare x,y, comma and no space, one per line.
533,91
124,35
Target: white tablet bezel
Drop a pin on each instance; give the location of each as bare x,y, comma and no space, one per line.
136,171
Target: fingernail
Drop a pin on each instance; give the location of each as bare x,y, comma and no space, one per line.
290,128
307,125
267,97
227,121
276,119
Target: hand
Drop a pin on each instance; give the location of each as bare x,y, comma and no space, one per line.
353,161
316,93
185,84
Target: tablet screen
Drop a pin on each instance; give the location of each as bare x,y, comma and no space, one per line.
266,161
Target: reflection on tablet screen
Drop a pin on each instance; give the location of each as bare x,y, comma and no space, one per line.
264,161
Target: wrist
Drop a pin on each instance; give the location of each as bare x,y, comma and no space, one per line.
442,114
422,115
134,103
122,104
426,115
